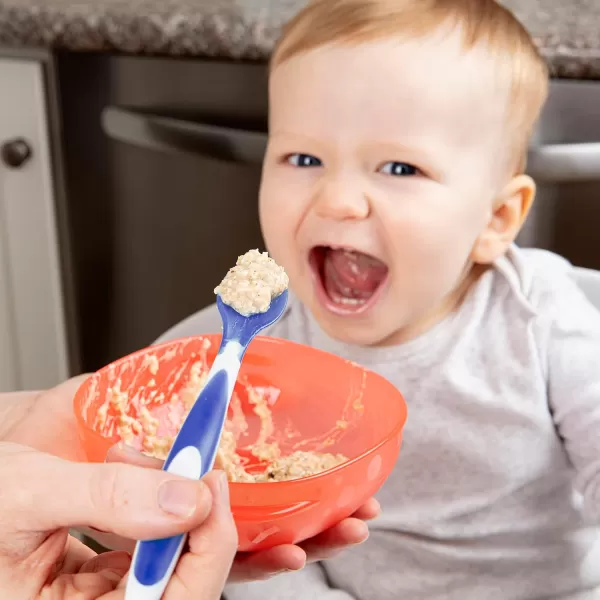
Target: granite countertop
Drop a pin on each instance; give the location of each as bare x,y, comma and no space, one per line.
567,31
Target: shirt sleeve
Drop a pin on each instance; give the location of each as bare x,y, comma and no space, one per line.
573,375
203,322
311,583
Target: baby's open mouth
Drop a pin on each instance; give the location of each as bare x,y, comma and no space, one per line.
349,279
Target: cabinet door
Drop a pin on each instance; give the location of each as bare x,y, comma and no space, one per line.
8,368
33,352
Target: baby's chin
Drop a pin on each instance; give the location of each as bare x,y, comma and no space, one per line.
370,331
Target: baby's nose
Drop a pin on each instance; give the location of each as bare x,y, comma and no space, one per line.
342,200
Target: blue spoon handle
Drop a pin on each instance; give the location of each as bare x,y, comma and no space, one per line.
192,455
195,447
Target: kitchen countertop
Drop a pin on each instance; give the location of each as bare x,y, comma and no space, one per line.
567,33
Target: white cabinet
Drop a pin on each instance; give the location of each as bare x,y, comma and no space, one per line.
33,347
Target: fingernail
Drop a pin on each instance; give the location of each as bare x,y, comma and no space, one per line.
223,489
283,571
178,498
122,448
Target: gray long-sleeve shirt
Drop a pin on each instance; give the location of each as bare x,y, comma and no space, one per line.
503,427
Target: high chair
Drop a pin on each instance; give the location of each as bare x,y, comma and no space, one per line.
589,281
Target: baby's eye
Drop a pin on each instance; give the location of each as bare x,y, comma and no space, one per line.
303,160
399,169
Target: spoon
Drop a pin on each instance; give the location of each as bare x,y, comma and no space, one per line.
195,447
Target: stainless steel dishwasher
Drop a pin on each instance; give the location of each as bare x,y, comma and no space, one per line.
564,159
163,167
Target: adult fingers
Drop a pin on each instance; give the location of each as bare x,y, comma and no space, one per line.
265,564
117,562
75,555
97,578
49,424
122,453
370,510
253,566
126,454
40,492
202,572
349,532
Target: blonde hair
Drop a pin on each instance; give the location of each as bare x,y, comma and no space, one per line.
483,23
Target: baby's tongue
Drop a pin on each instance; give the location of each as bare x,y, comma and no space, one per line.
351,275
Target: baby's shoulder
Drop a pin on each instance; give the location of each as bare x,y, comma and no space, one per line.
549,286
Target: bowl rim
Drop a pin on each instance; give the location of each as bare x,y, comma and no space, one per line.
396,430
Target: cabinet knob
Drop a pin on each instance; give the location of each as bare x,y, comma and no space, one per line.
15,153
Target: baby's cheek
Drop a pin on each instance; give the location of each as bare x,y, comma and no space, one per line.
429,261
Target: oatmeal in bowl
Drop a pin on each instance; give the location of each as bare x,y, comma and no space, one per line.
149,422
309,436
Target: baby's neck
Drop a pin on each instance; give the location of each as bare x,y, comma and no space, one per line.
449,305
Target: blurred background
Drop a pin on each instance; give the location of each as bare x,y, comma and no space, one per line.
131,137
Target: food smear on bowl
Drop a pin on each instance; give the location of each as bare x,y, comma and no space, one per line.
150,422
250,286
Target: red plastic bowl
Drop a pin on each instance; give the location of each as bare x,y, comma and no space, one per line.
317,391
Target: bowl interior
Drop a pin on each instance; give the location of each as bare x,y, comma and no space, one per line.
319,402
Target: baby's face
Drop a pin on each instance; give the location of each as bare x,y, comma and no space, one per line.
382,167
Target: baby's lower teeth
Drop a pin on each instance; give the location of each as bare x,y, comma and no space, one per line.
351,301
348,301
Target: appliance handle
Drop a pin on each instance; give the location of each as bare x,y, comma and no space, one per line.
552,163
167,134
564,163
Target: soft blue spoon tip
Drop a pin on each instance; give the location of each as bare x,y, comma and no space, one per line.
237,327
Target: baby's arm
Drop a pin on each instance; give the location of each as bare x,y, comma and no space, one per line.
203,322
573,373
310,583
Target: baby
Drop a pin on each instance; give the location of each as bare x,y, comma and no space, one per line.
392,192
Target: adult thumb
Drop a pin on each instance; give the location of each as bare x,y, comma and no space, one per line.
41,492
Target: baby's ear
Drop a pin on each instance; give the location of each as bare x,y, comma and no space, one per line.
508,215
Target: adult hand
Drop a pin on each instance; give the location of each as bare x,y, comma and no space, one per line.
46,422
42,496
267,563
43,420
